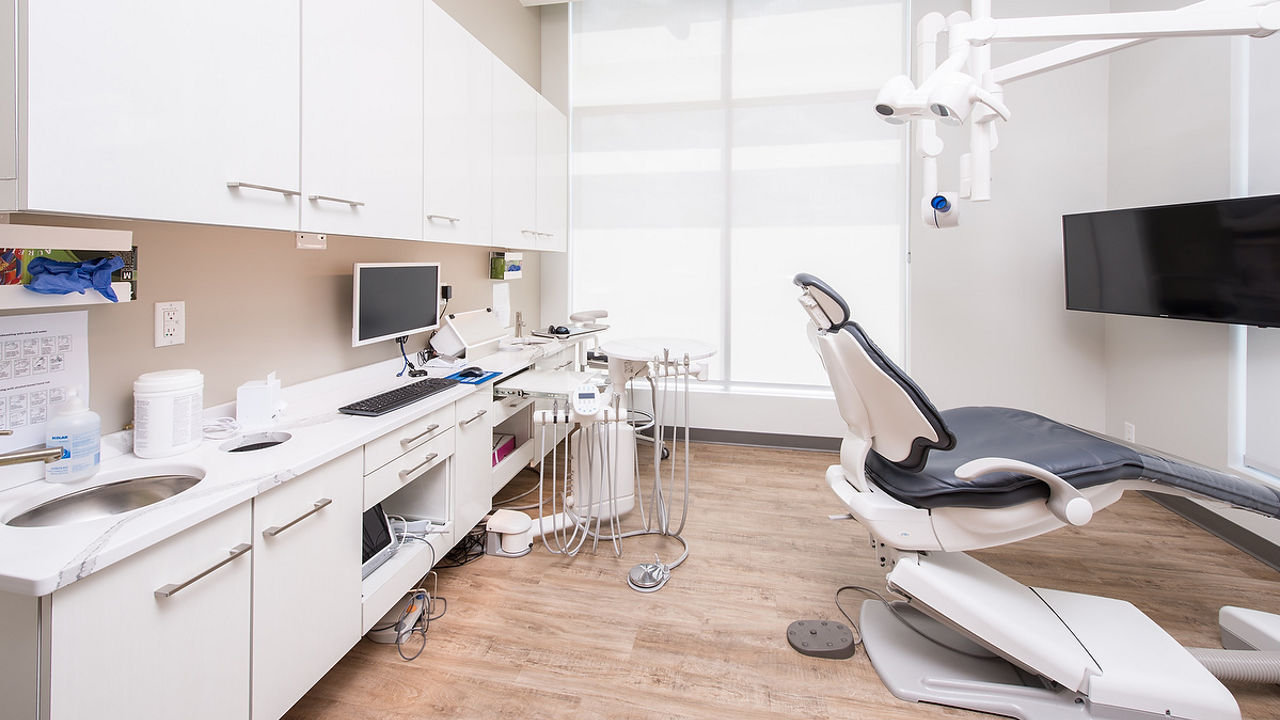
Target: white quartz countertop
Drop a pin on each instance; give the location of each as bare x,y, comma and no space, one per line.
38,560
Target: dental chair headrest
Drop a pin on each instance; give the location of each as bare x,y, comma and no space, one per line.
830,304
908,425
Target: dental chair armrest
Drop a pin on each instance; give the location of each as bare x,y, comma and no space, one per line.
1066,502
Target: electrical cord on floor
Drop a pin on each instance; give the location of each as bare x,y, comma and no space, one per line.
892,607
469,549
422,623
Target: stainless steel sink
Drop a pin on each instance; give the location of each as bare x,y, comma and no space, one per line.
104,500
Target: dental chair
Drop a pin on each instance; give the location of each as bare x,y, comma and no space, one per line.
930,485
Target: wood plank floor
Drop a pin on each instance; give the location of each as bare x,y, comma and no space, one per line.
546,636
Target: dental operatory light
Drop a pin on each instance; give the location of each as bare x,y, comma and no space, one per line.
964,87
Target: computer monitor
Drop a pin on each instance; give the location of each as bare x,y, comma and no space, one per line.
390,300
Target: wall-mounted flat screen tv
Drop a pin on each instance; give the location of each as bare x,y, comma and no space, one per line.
1217,261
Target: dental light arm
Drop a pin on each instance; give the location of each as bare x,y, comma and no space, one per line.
965,85
1066,502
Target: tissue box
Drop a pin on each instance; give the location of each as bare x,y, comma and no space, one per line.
503,445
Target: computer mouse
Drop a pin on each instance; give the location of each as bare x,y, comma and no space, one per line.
557,330
470,372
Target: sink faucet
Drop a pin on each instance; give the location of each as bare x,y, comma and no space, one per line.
21,456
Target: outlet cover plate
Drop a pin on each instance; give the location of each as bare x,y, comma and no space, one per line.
171,323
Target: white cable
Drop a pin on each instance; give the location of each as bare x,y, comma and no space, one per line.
220,428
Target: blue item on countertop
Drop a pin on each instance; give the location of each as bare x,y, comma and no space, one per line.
469,380
54,277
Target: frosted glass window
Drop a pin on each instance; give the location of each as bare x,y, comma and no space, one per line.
1262,420
719,147
814,46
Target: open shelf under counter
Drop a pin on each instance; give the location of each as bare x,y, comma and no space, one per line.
385,586
512,464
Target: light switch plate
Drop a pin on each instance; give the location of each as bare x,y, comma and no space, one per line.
171,323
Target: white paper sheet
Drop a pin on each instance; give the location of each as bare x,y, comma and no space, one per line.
41,358
502,303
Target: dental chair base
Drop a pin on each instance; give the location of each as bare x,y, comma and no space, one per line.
1068,654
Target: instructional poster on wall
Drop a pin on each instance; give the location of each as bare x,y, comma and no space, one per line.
41,358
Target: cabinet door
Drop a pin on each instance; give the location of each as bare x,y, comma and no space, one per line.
514,160
553,176
362,118
306,581
119,650
458,133
473,453
149,108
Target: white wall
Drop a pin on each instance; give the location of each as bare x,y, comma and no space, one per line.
987,319
1170,378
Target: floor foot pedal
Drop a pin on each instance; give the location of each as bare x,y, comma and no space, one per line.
821,638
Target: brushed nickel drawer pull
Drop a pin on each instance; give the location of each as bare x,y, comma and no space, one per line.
430,429
445,218
473,418
405,474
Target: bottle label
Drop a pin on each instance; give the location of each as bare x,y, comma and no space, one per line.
80,451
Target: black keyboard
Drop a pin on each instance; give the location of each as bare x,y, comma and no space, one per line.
397,398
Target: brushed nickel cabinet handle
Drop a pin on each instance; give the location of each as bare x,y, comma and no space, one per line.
283,191
316,507
172,589
445,218
330,198
473,418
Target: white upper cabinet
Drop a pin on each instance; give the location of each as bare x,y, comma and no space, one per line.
150,108
380,119
362,118
458,133
515,160
553,177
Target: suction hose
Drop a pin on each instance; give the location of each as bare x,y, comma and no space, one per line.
1258,666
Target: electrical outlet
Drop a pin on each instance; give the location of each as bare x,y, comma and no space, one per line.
1129,432
171,323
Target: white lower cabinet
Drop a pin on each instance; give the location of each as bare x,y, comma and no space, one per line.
306,581
163,633
473,464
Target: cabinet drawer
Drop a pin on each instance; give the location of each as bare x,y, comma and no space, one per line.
395,474
395,443
504,408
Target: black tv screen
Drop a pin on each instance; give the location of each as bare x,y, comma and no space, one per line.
1217,261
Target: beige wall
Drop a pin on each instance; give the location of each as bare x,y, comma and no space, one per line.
510,30
254,304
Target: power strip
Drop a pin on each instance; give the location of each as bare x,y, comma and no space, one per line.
399,621
416,526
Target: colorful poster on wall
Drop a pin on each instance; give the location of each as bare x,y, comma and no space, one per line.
42,357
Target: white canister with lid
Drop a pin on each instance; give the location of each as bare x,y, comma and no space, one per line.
167,410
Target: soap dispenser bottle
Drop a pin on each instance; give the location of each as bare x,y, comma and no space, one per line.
78,431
